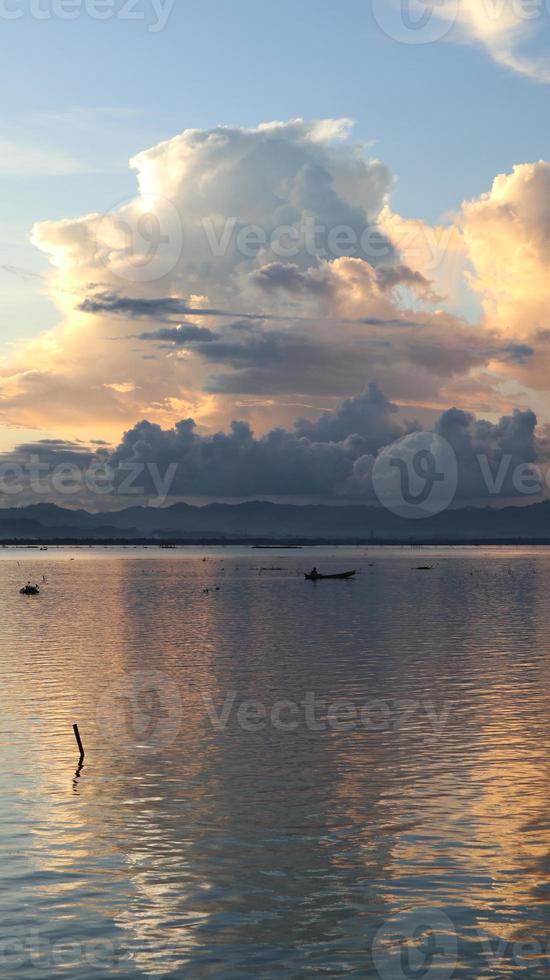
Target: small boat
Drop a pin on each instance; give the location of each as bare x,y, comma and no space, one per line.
316,578
29,590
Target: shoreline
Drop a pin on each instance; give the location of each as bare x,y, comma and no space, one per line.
273,544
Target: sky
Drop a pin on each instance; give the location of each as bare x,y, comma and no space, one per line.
413,138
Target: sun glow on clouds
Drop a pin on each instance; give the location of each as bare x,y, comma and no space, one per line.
168,310
507,233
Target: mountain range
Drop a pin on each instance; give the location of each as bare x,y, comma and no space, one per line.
260,521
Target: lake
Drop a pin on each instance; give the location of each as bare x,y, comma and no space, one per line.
282,778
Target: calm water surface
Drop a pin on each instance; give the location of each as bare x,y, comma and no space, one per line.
382,808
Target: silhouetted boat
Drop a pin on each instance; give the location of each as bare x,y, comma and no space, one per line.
316,578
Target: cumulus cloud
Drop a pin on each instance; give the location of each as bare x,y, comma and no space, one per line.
261,270
183,248
507,235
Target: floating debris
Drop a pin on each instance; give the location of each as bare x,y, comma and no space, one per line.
29,589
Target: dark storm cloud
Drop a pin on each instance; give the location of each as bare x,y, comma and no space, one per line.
443,355
164,308
181,336
290,278
330,457
388,277
376,321
52,451
518,353
271,361
499,447
314,458
279,276
255,360
278,361
236,463
323,457
370,416
160,308
157,308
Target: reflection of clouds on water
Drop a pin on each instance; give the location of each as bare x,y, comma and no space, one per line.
289,847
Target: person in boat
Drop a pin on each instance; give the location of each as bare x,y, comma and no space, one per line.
314,573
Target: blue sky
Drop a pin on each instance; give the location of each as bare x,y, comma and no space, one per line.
425,106
443,116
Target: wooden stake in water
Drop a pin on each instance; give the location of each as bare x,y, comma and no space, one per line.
78,741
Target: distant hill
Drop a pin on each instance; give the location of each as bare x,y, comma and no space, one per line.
257,521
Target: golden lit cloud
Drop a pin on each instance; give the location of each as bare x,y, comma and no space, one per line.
260,270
